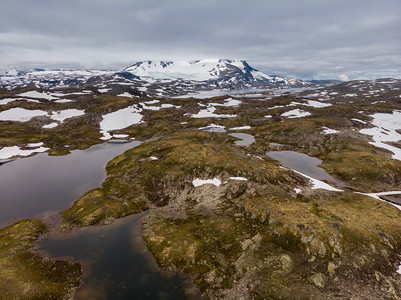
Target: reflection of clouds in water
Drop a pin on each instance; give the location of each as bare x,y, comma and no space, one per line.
245,139
52,182
303,163
116,258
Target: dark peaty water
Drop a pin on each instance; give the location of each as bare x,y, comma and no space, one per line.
117,263
115,259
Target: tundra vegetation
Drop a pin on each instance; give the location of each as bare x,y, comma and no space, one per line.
263,232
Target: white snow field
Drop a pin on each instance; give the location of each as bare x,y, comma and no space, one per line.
120,119
296,113
385,130
198,182
9,152
20,114
62,115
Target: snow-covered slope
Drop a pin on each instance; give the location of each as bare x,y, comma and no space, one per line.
161,78
47,78
200,70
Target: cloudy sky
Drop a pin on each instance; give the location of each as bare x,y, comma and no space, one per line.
298,38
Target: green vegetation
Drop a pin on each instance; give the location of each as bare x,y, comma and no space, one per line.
25,275
253,239
346,155
257,236
135,181
368,171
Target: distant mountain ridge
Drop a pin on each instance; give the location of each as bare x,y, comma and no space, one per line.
170,76
201,70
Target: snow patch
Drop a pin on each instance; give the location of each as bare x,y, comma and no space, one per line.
126,94
9,152
377,196
66,114
318,184
240,128
360,121
51,125
38,95
213,128
277,106
64,101
238,178
385,131
296,113
120,119
120,136
329,131
34,145
198,182
317,104
209,113
20,114
8,100
228,102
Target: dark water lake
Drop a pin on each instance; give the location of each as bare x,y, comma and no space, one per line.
117,263
305,164
39,185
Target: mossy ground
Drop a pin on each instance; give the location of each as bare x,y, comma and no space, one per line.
254,236
254,239
267,246
135,181
75,133
274,248
24,275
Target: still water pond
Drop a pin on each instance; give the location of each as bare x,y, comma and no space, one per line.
305,164
245,139
117,263
39,185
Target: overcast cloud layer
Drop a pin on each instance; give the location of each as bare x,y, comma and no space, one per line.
295,38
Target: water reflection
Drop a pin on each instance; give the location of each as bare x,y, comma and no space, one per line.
117,264
31,187
305,164
393,199
245,139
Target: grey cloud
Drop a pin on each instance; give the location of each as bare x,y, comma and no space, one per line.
302,38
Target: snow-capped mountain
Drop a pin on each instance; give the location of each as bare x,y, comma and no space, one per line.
41,78
162,78
12,72
200,70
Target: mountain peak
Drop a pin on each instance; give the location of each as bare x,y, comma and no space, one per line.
191,75
196,70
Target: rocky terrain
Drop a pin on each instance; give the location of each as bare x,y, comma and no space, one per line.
221,210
